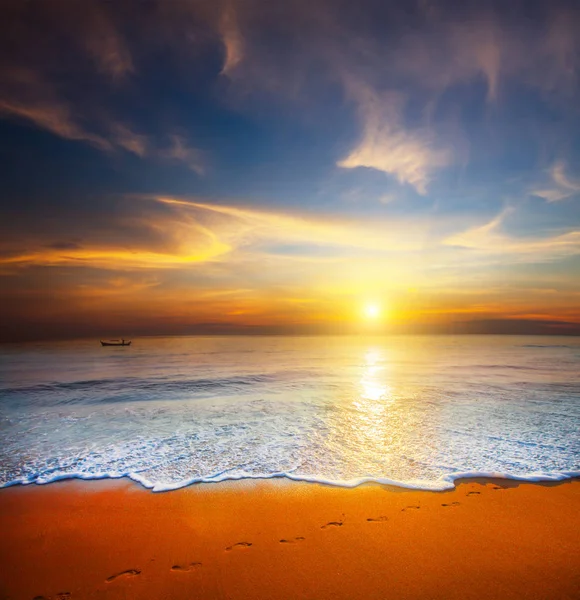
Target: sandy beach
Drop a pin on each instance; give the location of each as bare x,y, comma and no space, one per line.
283,539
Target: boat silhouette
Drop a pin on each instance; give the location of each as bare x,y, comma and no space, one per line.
115,343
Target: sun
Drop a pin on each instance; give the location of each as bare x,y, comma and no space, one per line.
372,311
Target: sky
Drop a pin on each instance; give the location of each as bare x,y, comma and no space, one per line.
280,167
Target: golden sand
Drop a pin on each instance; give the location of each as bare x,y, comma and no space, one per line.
282,539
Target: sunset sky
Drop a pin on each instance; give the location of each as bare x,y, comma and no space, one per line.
272,167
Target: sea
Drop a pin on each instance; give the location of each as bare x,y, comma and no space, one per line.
414,411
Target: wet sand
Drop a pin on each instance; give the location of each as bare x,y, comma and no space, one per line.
282,539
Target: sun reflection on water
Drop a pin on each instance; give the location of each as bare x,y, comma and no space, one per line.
377,426
372,381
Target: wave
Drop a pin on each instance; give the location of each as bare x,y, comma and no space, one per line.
136,385
547,346
501,367
447,482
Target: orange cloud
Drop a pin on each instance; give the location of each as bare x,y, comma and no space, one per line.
150,241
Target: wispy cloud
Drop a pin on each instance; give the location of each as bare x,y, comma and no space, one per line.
25,95
104,43
417,86
258,265
232,39
180,151
130,141
44,90
448,51
54,117
193,232
386,145
563,186
409,59
147,240
189,232
560,178
489,240
253,227
177,150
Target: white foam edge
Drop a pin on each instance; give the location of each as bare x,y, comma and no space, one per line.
444,483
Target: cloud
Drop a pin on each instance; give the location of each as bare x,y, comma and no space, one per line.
25,95
174,233
64,246
52,61
560,178
256,228
125,138
186,243
180,151
59,34
104,43
177,151
185,258
55,118
488,59
433,62
446,51
245,243
108,49
489,241
232,39
552,62
550,195
564,185
410,155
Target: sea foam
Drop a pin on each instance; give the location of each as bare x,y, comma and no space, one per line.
411,412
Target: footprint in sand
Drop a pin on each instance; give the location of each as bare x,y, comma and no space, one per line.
413,507
332,524
378,519
63,596
473,493
186,568
293,540
452,504
128,573
239,545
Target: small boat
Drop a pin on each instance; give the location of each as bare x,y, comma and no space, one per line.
116,343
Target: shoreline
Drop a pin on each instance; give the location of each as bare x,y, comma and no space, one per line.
447,483
279,538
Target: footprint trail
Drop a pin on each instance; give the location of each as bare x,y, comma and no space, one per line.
128,573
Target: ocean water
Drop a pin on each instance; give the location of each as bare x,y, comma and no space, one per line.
166,412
